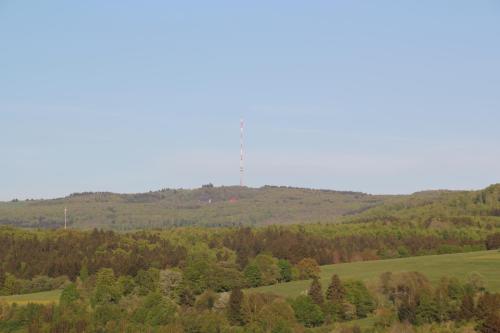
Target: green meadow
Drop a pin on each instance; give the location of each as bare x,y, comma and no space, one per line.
43,297
459,265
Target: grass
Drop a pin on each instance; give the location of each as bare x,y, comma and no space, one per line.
459,265
44,297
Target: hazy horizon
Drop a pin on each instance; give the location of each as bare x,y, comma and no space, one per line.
235,185
383,98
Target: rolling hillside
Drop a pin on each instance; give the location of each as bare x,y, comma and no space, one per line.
207,206
234,206
458,265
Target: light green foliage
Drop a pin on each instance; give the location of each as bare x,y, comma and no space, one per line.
268,267
127,284
44,297
107,290
278,316
476,280
11,285
198,270
202,272
69,295
155,310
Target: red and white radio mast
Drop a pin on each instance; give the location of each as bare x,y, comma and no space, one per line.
242,169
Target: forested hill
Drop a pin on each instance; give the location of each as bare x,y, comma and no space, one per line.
233,206
437,209
206,206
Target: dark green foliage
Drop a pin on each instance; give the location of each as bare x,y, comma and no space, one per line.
2,277
285,270
234,312
155,310
84,272
407,311
307,312
147,281
426,311
333,311
104,313
253,275
358,295
316,292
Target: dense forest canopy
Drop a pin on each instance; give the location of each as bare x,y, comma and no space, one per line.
242,206
197,279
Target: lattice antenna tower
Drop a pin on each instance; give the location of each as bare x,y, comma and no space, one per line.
242,153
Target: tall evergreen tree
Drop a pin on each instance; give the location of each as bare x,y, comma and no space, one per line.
234,313
335,292
316,292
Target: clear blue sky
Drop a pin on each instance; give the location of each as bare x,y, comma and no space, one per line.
128,96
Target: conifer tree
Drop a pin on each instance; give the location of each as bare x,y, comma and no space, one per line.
234,314
335,292
315,291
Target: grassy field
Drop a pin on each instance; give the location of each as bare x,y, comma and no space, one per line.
44,297
459,265
487,263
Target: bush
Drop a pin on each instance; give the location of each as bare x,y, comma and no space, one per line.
307,312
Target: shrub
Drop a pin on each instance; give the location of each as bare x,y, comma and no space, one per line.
307,312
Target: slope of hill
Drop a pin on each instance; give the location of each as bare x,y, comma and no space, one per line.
207,206
458,265
438,209
234,206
